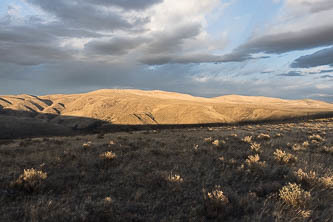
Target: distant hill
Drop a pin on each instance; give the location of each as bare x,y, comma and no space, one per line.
137,107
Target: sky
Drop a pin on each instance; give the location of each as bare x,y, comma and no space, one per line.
273,48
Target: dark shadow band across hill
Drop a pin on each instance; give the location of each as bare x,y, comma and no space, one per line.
23,124
127,128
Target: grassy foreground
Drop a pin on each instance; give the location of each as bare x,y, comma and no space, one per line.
272,172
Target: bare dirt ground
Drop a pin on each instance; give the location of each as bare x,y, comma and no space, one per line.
257,172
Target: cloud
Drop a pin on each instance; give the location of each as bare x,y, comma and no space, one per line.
172,40
279,87
80,14
177,33
24,34
326,71
126,4
296,28
114,46
313,6
267,72
74,77
30,54
288,41
327,76
59,30
291,74
28,45
156,34
148,30
192,58
319,58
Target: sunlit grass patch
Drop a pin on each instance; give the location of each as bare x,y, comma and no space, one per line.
107,200
308,178
277,135
218,143
254,160
175,178
316,137
87,145
218,196
312,179
301,147
208,139
256,147
284,157
30,180
111,142
263,136
292,194
328,149
109,155
247,139
217,204
327,181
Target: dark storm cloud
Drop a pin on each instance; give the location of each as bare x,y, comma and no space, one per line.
24,34
41,33
115,46
290,41
279,43
81,14
31,54
166,48
29,45
36,32
59,30
319,58
171,40
193,58
291,74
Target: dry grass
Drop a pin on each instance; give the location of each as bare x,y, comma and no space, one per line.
284,157
30,180
109,155
216,203
328,149
255,147
327,181
172,175
87,144
218,143
175,178
263,136
294,195
247,139
301,147
254,160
